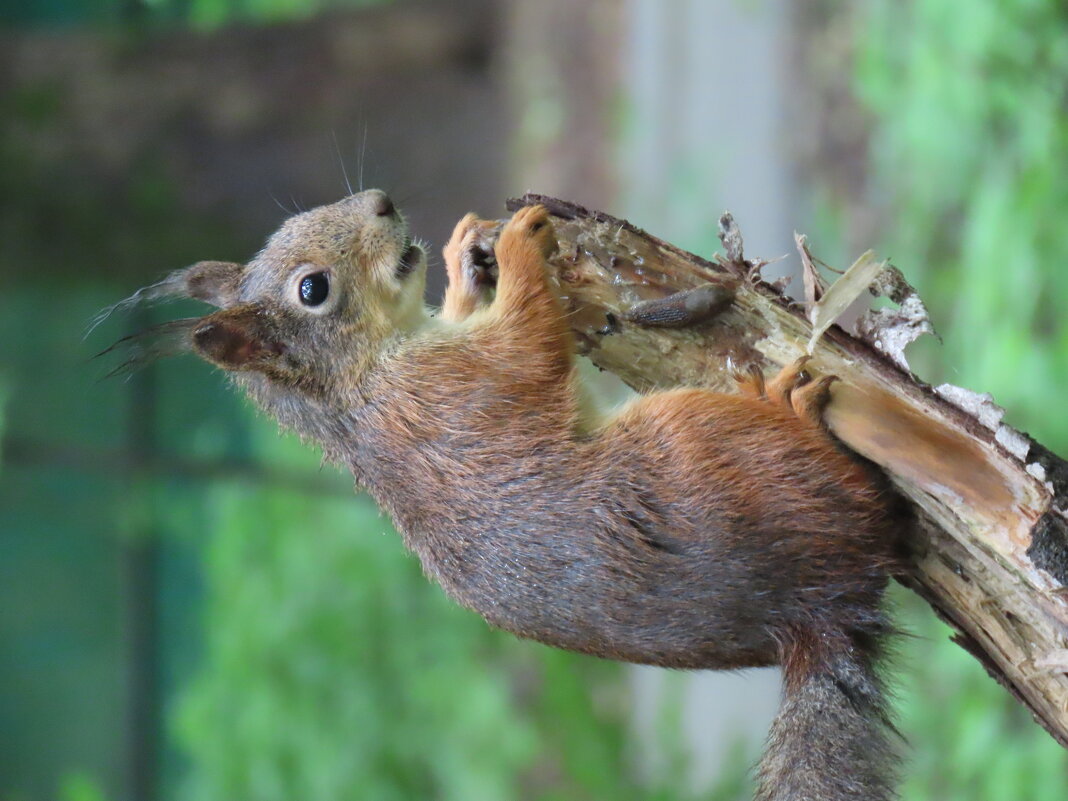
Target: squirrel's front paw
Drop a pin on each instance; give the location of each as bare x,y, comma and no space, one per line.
469,257
529,225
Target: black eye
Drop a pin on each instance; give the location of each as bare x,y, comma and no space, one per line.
314,288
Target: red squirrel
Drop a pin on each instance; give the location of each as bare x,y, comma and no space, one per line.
688,529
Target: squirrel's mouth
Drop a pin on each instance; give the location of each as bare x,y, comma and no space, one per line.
410,258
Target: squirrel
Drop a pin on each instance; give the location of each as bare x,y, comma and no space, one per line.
689,529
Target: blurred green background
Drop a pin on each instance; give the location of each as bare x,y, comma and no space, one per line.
192,608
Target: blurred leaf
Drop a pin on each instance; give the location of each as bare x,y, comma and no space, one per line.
80,787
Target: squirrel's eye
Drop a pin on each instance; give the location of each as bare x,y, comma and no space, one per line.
314,289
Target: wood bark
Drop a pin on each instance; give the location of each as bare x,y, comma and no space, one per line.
989,548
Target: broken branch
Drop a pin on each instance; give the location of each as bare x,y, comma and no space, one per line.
989,550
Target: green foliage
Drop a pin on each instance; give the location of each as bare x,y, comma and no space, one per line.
970,145
970,142
80,787
213,13
335,670
3,416
968,739
196,13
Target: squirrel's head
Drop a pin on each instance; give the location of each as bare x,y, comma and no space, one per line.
312,309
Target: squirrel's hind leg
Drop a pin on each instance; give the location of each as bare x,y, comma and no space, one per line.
794,389
809,400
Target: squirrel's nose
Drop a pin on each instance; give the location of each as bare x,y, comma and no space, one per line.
374,201
384,206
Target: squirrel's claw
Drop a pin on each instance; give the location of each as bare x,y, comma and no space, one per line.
469,256
751,383
531,223
811,399
471,265
793,388
789,378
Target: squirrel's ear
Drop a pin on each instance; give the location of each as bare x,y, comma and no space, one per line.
214,282
240,338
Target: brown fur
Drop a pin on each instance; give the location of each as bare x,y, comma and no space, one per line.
691,529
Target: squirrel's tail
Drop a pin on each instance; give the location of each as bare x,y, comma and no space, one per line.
832,738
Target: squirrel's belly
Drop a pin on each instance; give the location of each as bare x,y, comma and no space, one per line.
713,645
656,618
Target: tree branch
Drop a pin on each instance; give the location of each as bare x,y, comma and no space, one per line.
990,548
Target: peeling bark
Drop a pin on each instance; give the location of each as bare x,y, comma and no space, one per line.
990,548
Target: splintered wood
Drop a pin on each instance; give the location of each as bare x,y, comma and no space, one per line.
990,547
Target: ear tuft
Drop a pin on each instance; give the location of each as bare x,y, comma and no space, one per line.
214,282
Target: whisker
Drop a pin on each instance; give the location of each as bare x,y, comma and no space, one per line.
270,193
279,204
363,156
404,197
341,161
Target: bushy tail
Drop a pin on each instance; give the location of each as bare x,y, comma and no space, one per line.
832,739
